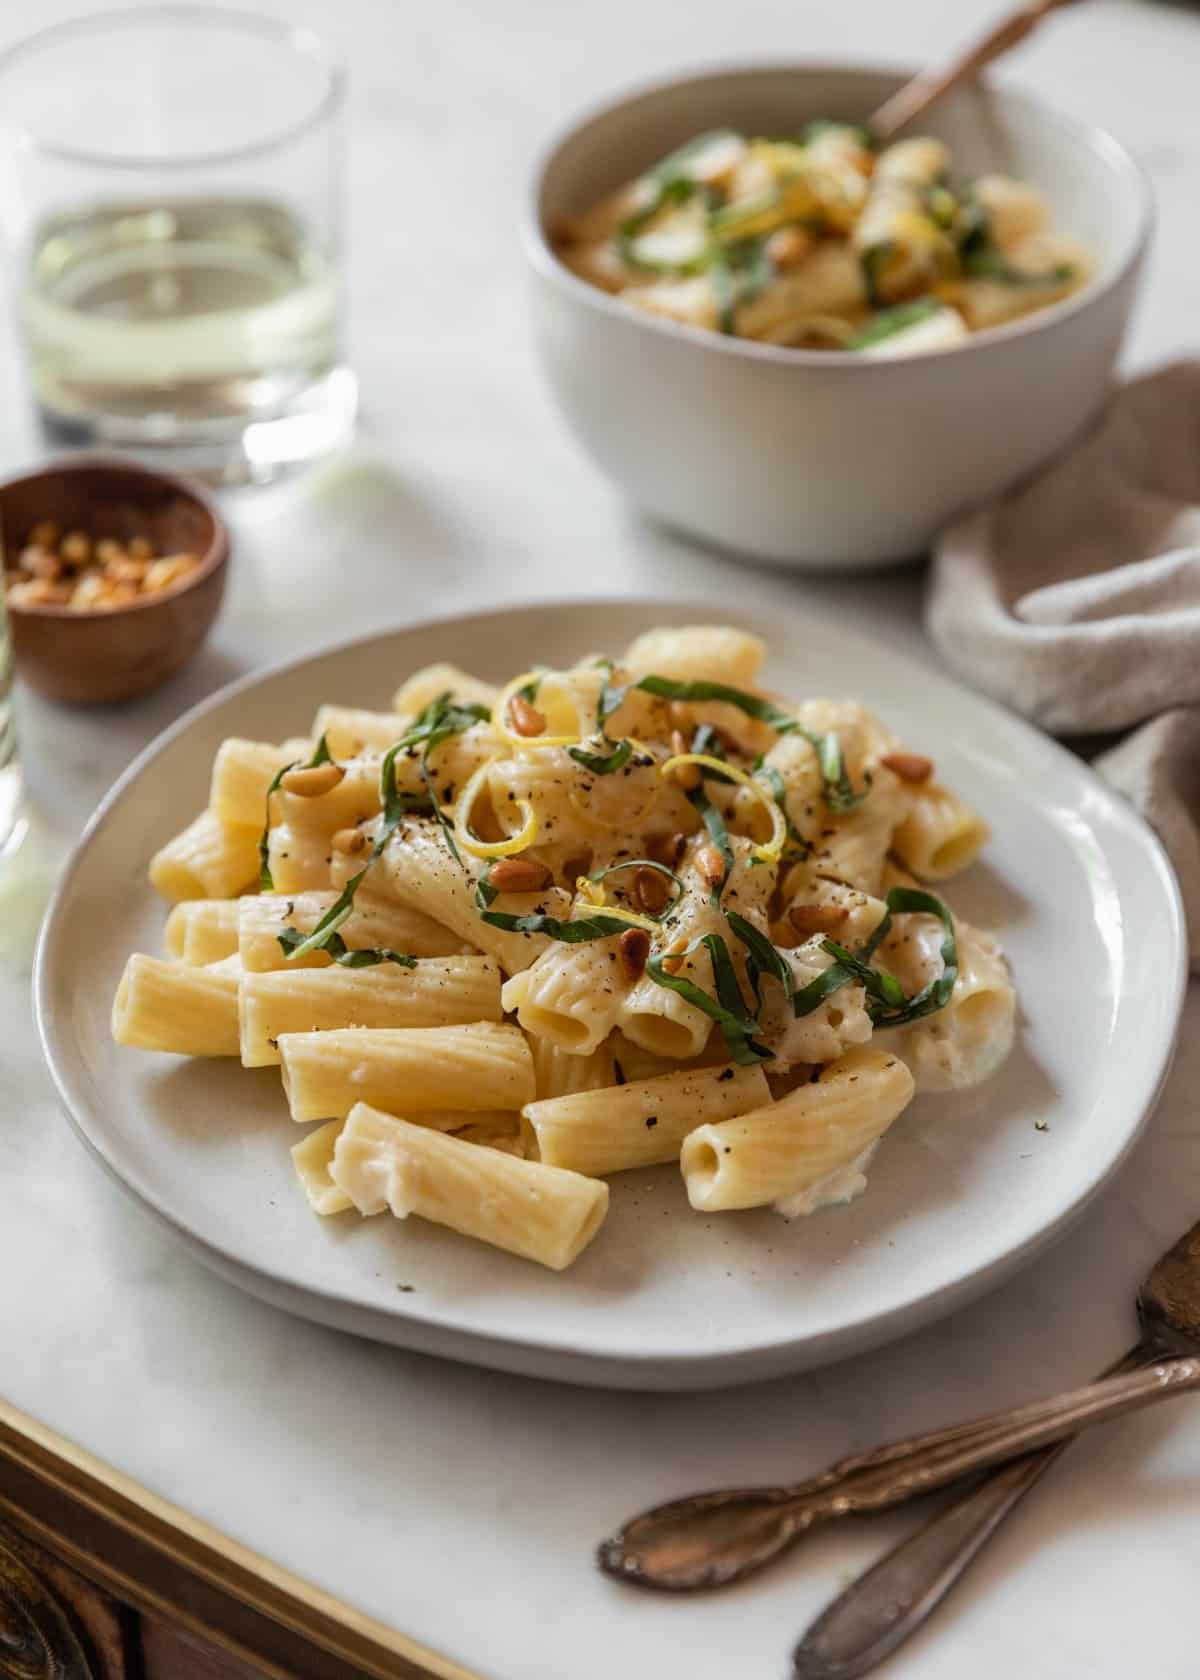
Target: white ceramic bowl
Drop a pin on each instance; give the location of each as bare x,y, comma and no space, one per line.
819,458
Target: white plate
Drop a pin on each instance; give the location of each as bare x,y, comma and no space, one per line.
963,1191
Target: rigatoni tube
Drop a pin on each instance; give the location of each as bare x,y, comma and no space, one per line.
312,1158
436,992
785,1152
209,859
374,923
203,930
640,1124
174,1007
473,1067
541,1213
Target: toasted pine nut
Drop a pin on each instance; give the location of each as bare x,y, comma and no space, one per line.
38,592
634,947
40,562
45,534
125,570
108,548
76,548
161,574
89,589
788,246
349,841
515,874
525,719
313,781
141,548
808,919
673,961
651,890
711,865
666,848
910,767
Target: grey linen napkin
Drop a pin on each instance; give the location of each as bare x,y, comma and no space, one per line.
1075,599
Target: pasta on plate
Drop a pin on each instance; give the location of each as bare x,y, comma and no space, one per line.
824,242
502,945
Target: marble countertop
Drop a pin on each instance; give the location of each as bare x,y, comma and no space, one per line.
457,1505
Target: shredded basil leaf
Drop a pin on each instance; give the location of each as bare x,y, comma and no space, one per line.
714,822
886,1002
754,705
442,718
837,789
610,698
728,1009
987,263
839,793
824,985
762,957
936,993
603,764
291,939
320,937
726,295
874,261
578,931
891,321
321,755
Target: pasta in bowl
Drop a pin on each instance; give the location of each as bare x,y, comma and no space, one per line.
825,242
504,944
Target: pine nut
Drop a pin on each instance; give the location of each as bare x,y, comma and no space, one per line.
313,781
76,548
687,776
40,563
651,890
634,947
808,919
45,534
141,548
519,875
349,841
524,718
673,961
910,767
787,247
711,865
666,848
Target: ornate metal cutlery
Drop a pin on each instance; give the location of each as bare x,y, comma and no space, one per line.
882,1608
712,1539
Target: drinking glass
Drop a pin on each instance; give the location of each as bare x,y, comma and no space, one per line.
171,198
11,822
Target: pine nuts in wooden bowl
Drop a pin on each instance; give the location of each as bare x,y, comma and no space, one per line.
113,573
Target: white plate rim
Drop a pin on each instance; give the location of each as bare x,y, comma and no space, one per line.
552,1355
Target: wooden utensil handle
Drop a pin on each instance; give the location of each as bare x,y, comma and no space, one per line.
919,94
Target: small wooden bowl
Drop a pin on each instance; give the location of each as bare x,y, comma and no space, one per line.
94,657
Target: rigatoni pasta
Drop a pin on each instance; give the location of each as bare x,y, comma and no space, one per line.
540,1212
504,942
823,242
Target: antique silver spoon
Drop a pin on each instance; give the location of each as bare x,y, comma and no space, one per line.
713,1539
879,1611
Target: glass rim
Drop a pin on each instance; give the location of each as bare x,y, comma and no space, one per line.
303,42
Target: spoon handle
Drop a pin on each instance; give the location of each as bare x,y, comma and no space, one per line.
920,93
713,1539
880,1610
